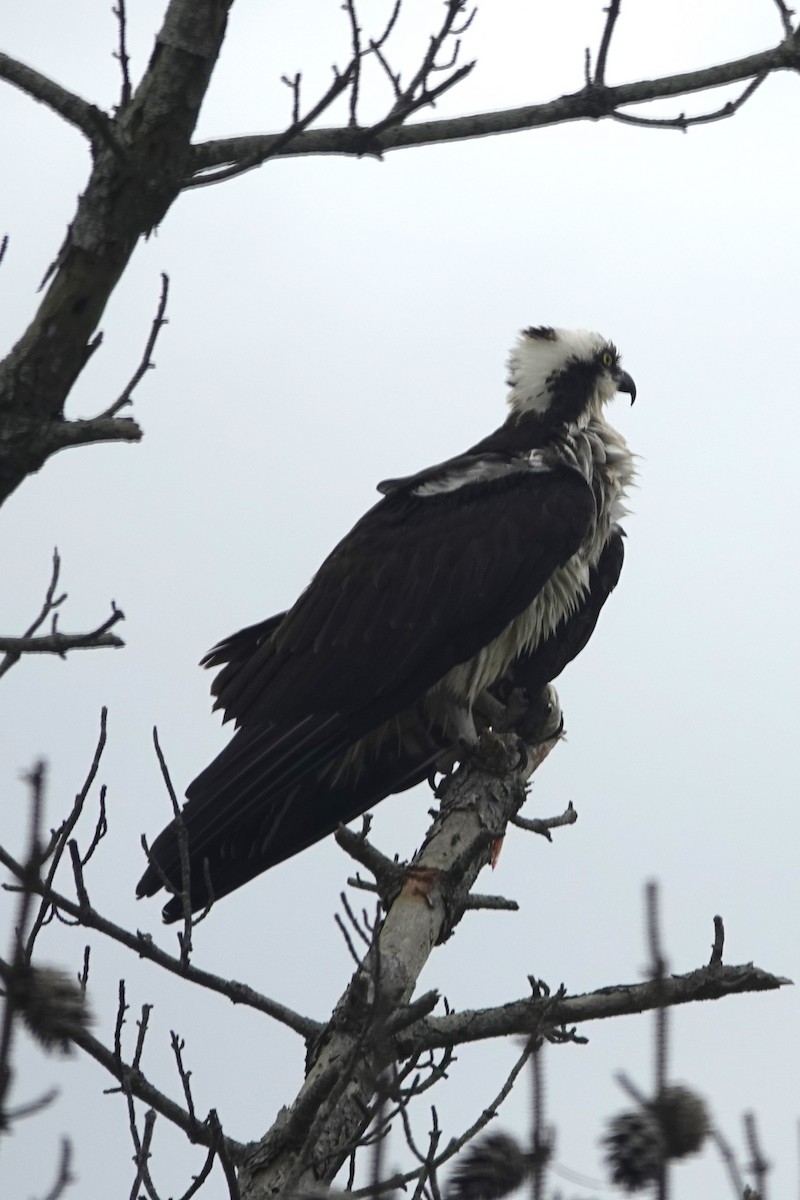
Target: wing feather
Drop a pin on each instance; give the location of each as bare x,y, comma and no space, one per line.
419,585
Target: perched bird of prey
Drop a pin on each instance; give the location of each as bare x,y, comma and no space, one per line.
473,577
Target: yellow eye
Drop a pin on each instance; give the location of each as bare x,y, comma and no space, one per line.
607,358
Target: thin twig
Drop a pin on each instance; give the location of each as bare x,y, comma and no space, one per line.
135,1082
28,875
357,54
282,141
51,602
61,643
100,829
758,1165
146,363
587,104
731,1165
786,15
543,825
540,1141
143,945
59,841
658,972
142,1152
142,1024
121,55
64,1176
719,943
612,12
178,1045
683,123
294,83
120,1021
185,936
456,1144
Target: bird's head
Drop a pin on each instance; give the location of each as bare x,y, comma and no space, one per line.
564,376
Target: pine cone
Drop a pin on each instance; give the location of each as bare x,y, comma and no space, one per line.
52,1005
635,1149
490,1168
684,1119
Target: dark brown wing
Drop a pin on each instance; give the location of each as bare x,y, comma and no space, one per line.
419,585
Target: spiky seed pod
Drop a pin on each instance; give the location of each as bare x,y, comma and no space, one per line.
635,1149
684,1120
52,1005
490,1168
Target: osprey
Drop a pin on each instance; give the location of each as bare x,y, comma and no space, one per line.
473,577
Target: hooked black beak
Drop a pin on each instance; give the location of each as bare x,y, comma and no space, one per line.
626,384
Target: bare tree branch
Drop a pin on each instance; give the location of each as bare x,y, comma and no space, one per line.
786,15
471,1025
476,803
590,103
543,825
121,55
758,1165
133,1079
51,602
18,958
612,12
76,111
283,140
64,1176
60,837
684,123
146,363
125,198
61,643
143,945
719,943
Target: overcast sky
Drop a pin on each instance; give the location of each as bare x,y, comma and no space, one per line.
333,323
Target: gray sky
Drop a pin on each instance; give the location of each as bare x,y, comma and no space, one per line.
332,323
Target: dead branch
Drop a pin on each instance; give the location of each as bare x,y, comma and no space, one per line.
455,1145
684,123
185,935
341,81
28,872
121,55
758,1165
64,1176
143,945
60,838
731,1165
76,111
543,825
591,103
704,983
477,802
388,873
178,1046
38,374
159,321
61,643
612,12
786,15
141,1148
51,602
132,1079
64,435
